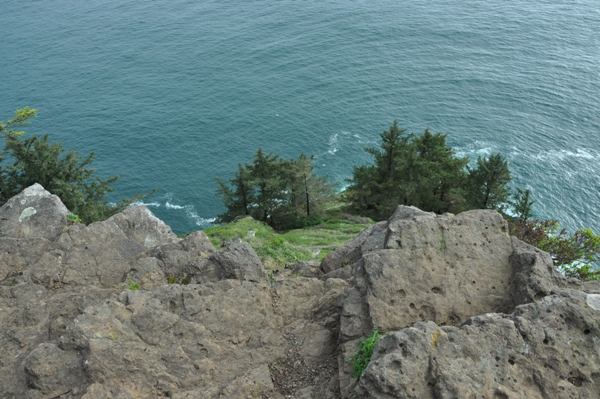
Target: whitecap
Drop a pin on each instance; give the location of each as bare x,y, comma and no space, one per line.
200,221
333,144
474,149
151,204
561,155
169,205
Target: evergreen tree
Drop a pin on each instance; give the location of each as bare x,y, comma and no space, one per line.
376,190
437,174
308,192
410,170
267,177
274,190
487,184
29,160
522,204
239,200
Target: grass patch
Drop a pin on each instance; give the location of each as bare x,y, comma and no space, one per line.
278,249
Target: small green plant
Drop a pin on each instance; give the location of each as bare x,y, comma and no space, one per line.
361,359
132,285
182,279
271,278
276,367
73,219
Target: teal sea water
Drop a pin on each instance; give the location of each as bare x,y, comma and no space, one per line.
173,93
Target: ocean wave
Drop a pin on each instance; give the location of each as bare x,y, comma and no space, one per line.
561,155
150,204
475,149
166,202
333,144
169,205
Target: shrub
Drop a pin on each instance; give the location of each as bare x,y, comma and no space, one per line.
361,359
575,255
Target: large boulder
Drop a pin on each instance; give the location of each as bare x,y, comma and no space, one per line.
422,267
34,213
98,255
139,224
239,261
28,223
545,349
442,268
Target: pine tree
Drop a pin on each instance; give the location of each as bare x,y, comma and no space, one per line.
68,175
437,174
270,185
375,190
522,204
487,184
239,200
308,192
283,193
410,170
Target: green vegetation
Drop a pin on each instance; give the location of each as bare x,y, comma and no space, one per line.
182,279
424,171
28,160
276,250
361,359
271,278
131,285
575,255
73,219
284,193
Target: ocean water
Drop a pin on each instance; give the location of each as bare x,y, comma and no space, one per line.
172,93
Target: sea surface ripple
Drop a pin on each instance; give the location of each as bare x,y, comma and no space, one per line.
172,93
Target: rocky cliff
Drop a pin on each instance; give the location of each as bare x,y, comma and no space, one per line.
125,309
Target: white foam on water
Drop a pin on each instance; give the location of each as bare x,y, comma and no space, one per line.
169,205
200,221
190,211
475,149
150,204
561,155
333,144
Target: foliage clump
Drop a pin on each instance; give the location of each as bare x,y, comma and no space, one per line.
285,193
33,159
575,255
361,359
423,171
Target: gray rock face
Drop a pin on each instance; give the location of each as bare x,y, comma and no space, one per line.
546,349
440,268
34,213
124,309
239,261
139,224
420,267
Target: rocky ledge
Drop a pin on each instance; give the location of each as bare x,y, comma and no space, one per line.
125,309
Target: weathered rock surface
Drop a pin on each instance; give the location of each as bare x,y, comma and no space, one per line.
34,213
469,311
545,349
